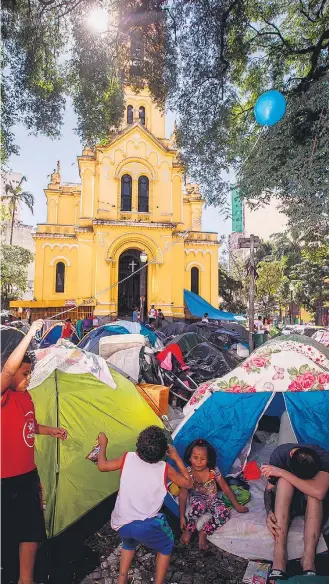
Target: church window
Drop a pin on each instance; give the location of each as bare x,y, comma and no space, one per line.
130,114
142,115
60,277
143,194
195,280
126,190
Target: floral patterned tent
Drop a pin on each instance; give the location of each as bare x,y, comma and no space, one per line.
322,337
226,411
297,364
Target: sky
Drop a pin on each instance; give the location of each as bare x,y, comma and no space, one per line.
38,157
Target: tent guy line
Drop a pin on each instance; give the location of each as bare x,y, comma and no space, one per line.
164,250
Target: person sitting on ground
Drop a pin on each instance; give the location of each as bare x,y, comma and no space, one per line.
298,484
142,491
205,318
21,515
202,496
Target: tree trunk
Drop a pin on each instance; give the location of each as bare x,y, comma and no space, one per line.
319,306
12,224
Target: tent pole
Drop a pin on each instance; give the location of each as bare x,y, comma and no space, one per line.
57,457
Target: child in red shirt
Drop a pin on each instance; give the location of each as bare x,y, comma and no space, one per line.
22,513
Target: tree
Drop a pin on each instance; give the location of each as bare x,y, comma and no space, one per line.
52,56
228,52
14,264
311,279
16,197
267,285
232,291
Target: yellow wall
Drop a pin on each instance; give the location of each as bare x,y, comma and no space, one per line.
87,230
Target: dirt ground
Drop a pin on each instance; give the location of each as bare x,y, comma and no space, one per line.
188,564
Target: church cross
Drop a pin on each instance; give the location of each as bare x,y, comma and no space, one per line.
133,265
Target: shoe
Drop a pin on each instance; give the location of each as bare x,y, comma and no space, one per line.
276,575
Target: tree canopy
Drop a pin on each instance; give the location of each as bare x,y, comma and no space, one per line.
228,53
51,55
210,59
14,264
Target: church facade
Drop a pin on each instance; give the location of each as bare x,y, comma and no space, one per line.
130,233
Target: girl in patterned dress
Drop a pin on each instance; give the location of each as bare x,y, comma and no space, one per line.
202,498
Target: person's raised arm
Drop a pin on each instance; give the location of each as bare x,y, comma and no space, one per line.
15,359
183,494
316,487
181,478
103,464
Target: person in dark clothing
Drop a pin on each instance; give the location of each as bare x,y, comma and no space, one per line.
297,484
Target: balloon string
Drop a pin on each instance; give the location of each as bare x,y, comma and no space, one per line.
166,248
263,131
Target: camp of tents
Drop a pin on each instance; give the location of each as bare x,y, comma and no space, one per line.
279,394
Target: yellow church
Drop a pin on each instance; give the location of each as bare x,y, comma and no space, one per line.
130,234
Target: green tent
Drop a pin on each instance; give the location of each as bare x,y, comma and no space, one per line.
84,406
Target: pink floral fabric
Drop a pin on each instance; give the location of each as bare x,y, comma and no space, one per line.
280,365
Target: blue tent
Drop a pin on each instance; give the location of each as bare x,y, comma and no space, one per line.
54,333
281,375
90,341
197,306
229,415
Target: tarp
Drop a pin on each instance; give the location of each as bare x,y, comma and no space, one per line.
186,341
65,357
138,328
110,345
228,410
174,328
84,406
90,341
206,362
197,306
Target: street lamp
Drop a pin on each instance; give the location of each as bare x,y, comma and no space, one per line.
143,257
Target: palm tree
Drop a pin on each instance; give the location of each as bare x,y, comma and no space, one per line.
17,196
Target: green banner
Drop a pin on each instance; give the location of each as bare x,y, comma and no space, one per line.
237,211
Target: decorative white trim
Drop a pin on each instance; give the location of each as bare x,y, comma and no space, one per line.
133,238
57,258
194,265
60,245
119,171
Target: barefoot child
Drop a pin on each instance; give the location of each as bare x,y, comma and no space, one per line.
21,515
200,457
143,487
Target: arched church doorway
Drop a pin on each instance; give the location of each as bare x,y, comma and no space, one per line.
135,283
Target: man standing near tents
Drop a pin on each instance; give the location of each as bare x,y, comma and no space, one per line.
298,484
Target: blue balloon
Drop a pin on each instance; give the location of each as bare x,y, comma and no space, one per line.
270,108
